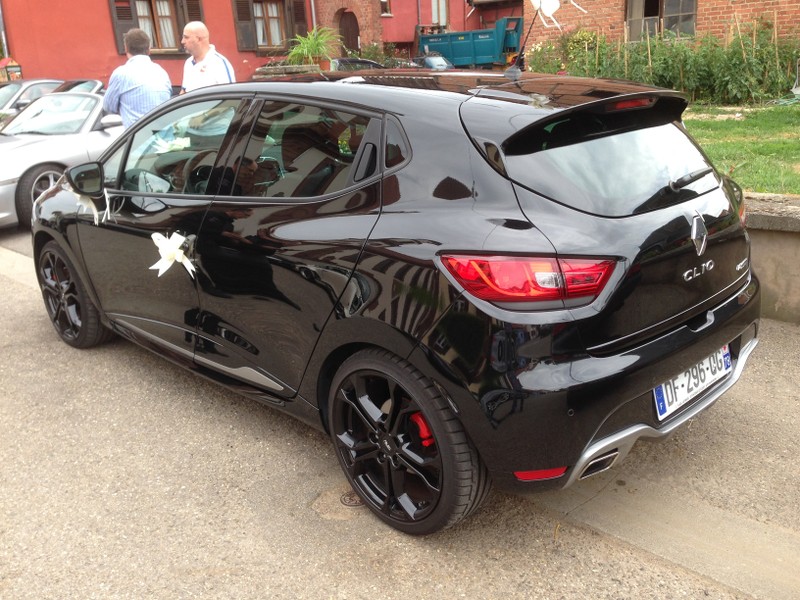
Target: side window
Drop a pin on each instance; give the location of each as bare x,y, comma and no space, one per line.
297,151
37,91
396,146
176,152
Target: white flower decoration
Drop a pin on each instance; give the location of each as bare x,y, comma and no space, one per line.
171,250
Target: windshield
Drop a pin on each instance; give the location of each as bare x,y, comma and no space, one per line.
616,175
7,90
438,62
55,114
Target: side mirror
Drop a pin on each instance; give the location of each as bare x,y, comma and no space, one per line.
109,121
20,104
87,179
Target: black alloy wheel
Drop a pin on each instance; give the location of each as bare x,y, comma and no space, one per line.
75,318
400,445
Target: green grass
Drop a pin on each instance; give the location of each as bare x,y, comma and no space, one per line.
758,147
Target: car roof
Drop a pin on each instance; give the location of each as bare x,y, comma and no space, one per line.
352,60
84,84
369,86
492,106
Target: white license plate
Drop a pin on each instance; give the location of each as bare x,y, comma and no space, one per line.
675,392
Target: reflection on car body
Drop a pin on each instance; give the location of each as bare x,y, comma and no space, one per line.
53,132
507,312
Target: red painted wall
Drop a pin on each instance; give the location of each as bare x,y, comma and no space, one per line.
71,40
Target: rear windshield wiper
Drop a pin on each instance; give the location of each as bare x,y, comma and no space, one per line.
682,182
673,192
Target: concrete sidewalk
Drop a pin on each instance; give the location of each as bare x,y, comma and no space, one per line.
122,476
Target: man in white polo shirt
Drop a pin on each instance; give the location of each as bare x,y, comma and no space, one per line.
205,66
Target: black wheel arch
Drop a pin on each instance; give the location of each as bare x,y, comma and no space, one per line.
341,339
67,241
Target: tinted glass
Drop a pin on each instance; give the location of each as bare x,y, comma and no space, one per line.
396,149
297,150
616,175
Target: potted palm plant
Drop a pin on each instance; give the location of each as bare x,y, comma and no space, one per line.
314,48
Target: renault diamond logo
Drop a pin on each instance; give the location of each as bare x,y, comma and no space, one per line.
699,234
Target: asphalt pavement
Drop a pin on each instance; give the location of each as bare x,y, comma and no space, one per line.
123,476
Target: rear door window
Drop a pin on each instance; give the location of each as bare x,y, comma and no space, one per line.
296,151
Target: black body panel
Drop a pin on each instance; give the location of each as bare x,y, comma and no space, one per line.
282,285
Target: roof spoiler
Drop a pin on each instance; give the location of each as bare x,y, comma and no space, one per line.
597,119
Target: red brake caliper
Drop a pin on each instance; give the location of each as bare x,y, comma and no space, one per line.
425,434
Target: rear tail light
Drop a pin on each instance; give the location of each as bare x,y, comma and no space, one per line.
630,104
743,211
529,279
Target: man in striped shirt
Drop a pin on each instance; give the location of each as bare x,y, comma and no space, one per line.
139,85
205,66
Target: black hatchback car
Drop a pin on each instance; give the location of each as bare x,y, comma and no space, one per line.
463,279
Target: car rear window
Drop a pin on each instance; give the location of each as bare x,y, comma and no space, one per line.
577,162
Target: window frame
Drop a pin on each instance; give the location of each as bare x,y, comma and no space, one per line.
292,18
654,24
266,21
156,24
124,16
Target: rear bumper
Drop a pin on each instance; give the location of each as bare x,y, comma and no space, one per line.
535,410
602,454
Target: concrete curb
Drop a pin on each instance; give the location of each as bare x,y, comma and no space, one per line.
773,212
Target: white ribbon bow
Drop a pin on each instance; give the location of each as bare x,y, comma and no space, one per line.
171,251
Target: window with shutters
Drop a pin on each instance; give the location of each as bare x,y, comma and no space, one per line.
163,20
267,26
157,18
270,26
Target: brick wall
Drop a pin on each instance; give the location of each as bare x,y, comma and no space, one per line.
720,17
368,14
716,17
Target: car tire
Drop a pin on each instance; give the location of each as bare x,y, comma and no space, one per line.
74,317
30,186
400,445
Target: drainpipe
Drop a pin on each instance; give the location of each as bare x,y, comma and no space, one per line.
313,15
3,32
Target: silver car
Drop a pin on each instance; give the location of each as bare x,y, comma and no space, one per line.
52,133
19,93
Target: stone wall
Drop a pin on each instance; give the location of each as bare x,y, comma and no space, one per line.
774,225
